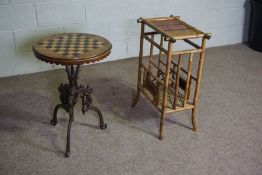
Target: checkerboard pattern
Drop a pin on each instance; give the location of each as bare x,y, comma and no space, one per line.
176,28
169,25
71,45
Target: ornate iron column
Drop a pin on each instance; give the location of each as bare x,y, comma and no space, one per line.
69,93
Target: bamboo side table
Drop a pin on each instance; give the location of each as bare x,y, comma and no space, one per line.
72,50
165,82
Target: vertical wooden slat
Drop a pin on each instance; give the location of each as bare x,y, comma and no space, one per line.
169,58
150,57
199,75
173,70
189,88
160,51
140,64
159,66
188,78
177,81
151,52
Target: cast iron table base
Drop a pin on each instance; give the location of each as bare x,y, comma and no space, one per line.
68,97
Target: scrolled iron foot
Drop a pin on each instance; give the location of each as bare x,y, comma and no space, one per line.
67,154
101,119
103,126
54,120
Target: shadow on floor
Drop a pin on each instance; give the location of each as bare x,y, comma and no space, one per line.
25,116
115,96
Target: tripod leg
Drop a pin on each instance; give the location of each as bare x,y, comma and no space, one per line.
54,120
161,125
101,119
194,119
71,118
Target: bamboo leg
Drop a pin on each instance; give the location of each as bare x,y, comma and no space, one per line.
177,81
139,65
188,79
169,57
161,124
199,75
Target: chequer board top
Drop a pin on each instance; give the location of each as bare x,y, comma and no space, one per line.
72,48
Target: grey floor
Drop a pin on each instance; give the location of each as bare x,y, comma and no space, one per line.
229,140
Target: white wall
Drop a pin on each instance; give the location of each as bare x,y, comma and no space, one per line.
24,21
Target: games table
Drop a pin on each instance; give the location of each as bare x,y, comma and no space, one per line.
73,50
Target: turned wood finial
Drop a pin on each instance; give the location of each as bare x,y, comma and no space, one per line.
170,39
139,20
208,35
172,16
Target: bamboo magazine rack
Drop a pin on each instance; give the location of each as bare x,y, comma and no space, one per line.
169,78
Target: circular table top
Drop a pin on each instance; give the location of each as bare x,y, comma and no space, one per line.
72,48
